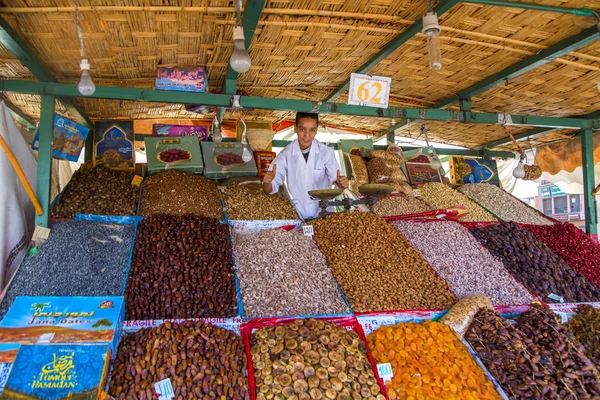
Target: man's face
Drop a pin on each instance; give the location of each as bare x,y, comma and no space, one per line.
306,129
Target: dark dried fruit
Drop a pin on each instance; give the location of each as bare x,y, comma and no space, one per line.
182,267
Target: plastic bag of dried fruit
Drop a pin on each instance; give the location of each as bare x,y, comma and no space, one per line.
380,172
359,169
461,315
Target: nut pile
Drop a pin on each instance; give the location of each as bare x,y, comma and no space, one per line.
181,268
99,191
177,193
535,358
201,360
375,265
283,273
399,205
311,359
428,362
574,246
440,196
533,264
463,262
585,326
245,204
502,204
80,258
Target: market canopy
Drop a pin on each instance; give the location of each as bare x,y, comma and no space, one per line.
499,57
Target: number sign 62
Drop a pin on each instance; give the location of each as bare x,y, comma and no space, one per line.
367,90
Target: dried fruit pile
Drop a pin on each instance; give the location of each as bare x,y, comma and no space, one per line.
533,264
503,204
80,258
536,358
574,246
245,204
428,362
440,196
181,268
311,359
585,326
177,193
399,205
201,360
283,274
172,155
376,266
99,191
463,262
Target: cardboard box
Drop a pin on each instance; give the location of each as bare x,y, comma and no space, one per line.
224,160
182,79
188,145
114,145
263,161
69,139
50,320
199,131
58,372
473,170
419,171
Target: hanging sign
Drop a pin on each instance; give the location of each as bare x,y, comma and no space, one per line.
369,90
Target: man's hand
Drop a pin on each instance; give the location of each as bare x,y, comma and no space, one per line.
270,175
342,180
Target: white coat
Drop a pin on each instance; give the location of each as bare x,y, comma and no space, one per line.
319,172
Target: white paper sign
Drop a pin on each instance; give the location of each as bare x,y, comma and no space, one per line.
164,389
40,235
308,230
369,90
416,193
385,372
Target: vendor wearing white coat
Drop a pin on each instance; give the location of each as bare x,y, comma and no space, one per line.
307,164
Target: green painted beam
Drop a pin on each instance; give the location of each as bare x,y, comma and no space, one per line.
44,162
543,57
442,7
533,133
582,12
250,102
589,181
20,116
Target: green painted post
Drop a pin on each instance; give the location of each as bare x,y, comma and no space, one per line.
44,166
391,137
589,181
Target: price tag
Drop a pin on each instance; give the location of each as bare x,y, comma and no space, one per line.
369,90
564,317
164,389
137,180
416,193
40,235
556,297
385,372
308,230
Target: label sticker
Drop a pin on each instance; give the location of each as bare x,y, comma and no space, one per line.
164,389
137,180
385,372
564,317
40,235
556,297
308,230
416,193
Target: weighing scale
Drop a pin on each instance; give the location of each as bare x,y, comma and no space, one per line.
327,197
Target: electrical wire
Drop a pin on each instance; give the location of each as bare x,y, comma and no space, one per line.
79,32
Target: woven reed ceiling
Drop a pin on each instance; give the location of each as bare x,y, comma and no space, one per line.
305,49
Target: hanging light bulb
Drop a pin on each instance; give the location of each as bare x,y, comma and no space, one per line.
246,153
519,171
86,85
432,29
240,60
434,162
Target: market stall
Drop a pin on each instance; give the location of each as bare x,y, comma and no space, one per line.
183,277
